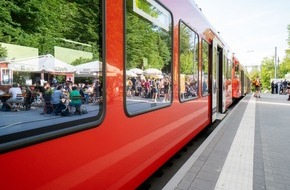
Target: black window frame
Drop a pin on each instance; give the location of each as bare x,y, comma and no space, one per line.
153,104
12,141
202,66
180,95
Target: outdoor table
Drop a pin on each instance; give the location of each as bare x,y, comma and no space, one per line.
4,97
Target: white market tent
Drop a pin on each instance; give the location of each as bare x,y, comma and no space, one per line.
88,69
44,63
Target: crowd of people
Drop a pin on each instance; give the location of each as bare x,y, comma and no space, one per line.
281,87
149,88
58,95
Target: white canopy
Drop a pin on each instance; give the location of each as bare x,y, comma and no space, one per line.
137,71
152,71
45,63
90,68
131,74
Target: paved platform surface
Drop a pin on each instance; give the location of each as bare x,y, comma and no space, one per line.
249,150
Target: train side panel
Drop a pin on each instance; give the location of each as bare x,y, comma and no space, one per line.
123,151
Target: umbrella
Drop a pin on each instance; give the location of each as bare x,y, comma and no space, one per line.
137,71
159,76
131,74
152,71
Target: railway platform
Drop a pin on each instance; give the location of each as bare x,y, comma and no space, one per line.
249,149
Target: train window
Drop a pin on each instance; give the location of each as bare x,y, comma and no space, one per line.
205,68
228,77
148,56
188,58
224,73
6,76
51,56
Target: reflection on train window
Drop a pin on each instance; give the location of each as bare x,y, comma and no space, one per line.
205,68
44,54
148,56
188,45
6,76
228,77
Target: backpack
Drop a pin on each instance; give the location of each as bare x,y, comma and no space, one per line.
84,109
5,107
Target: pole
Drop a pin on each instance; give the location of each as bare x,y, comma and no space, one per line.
275,65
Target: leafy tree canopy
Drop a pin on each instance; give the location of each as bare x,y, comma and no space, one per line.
41,23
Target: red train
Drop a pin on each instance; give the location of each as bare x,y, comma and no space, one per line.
160,75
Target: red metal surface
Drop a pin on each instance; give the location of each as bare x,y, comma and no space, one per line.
123,151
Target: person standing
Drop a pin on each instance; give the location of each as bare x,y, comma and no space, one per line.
257,87
272,86
288,90
166,85
155,91
284,86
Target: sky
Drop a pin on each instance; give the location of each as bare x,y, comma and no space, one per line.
251,28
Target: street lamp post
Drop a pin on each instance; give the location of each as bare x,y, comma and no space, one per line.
275,62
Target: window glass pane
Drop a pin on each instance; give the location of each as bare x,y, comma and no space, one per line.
205,67
148,56
228,77
6,77
188,63
47,48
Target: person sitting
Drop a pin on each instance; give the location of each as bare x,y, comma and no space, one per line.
76,100
56,100
29,98
85,96
14,91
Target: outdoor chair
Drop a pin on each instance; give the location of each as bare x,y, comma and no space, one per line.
18,103
47,107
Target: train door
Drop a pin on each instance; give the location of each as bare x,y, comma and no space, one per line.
217,82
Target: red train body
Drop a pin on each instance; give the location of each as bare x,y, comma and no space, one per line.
122,148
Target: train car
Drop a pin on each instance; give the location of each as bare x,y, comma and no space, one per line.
240,80
155,74
226,73
236,78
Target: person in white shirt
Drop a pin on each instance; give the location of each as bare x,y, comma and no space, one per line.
13,91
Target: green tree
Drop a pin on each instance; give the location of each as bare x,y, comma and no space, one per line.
143,41
268,69
267,72
284,67
188,50
42,23
3,52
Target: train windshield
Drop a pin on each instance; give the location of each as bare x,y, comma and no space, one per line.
50,68
148,56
